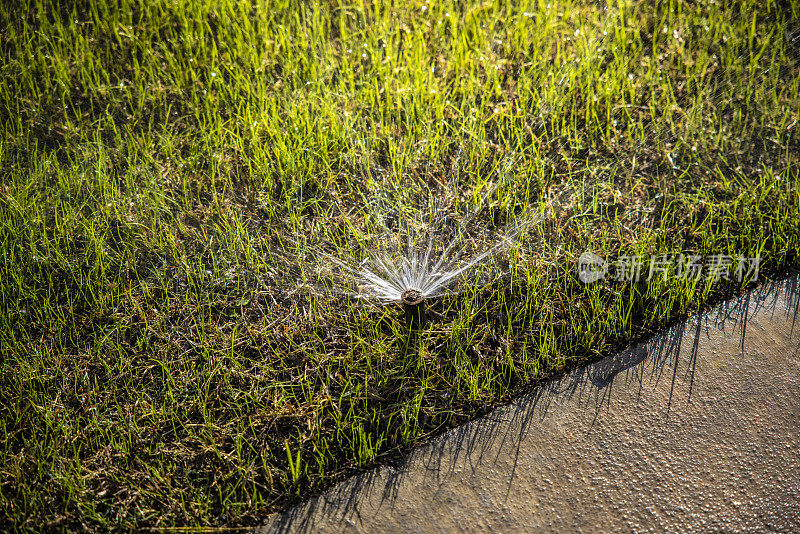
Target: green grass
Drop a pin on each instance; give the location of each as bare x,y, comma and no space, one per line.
159,364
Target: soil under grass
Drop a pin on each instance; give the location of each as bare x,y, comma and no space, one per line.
162,364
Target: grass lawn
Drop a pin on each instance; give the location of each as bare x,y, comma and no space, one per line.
174,175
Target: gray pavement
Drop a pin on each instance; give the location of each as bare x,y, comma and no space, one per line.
697,430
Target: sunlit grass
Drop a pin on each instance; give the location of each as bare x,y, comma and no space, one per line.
162,363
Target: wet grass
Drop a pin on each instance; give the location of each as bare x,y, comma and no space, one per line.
162,365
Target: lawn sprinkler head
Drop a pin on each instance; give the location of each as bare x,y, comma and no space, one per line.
414,305
412,297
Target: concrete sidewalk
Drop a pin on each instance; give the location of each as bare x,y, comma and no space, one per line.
696,430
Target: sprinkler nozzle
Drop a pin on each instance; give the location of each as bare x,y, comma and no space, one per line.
414,305
412,297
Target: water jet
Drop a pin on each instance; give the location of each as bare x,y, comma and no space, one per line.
407,255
